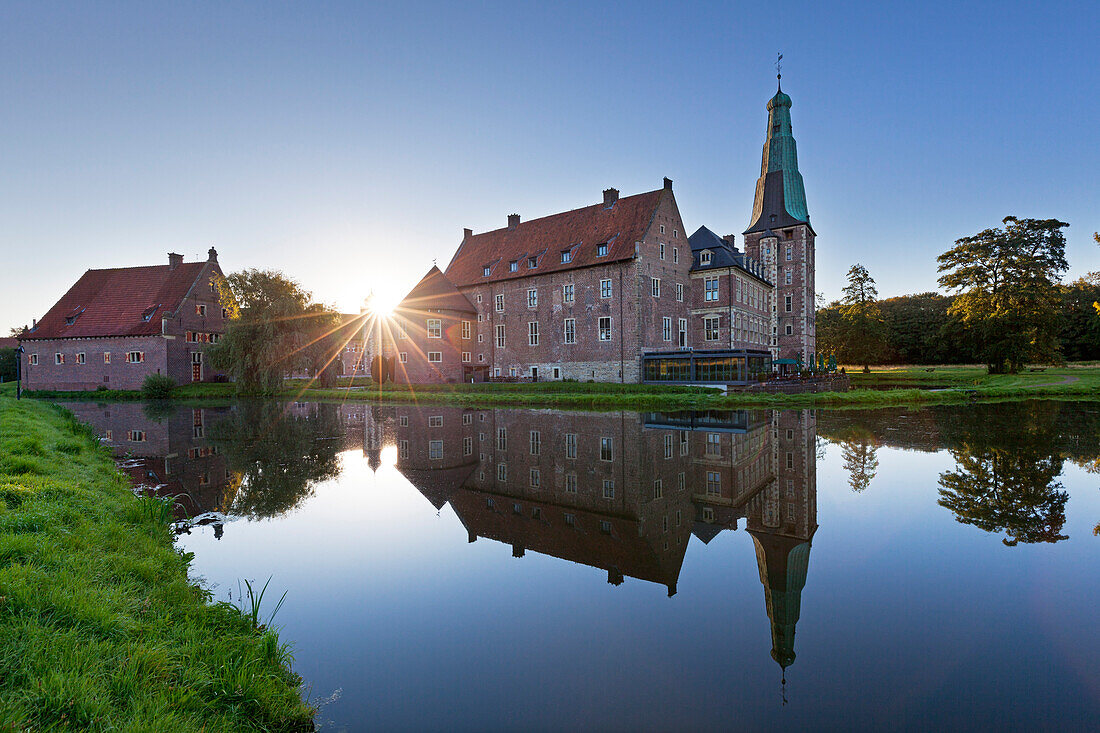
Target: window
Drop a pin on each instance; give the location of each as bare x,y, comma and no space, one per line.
683,444
714,483
135,357
480,336
34,359
679,292
608,489
787,303
435,356
532,262
658,489
570,488
668,446
790,253
535,480
605,526
513,266
567,255
536,442
601,249
790,329
787,277
486,270
502,472
607,451
567,293
605,288
714,444
225,313
662,229
675,233
533,333
666,328
403,450
710,326
570,330
467,419
200,309
655,287
59,358
789,234
435,449
435,328
403,421
401,334
480,357
403,357
605,329
80,358
467,356
704,257
532,298
466,329
467,446
502,438
500,336
682,333
136,436
710,289
662,248
570,445
790,461
675,254
500,303
479,297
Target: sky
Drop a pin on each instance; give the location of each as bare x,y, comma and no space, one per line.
348,144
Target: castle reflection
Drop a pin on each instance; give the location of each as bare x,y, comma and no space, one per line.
622,491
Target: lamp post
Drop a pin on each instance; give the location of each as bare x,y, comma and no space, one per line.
19,371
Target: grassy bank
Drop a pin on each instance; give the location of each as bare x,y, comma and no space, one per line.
962,384
99,627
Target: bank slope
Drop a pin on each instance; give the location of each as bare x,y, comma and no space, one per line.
99,627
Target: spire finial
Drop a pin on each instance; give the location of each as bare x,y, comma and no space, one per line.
779,69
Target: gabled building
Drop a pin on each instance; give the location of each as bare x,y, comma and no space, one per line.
116,326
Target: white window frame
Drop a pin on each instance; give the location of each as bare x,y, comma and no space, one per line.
532,333
466,330
499,302
602,249
438,357
567,292
403,357
569,331
605,332
675,255
501,336
532,298
711,294
135,357
679,292
666,328
435,328
709,323
467,357
661,248
606,290
34,360
81,357
655,286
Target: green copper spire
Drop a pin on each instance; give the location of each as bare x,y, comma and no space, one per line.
780,194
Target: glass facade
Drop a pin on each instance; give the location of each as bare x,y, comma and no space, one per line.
723,367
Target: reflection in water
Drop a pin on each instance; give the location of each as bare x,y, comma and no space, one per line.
622,491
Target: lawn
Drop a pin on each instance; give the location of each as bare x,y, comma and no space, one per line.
100,628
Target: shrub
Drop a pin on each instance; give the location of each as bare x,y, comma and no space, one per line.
158,387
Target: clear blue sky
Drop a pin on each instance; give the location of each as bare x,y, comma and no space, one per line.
349,144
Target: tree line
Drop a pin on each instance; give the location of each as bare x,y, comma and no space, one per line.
1006,306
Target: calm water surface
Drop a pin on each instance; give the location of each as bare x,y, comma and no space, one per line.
754,570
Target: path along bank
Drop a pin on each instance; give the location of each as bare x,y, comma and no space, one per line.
99,627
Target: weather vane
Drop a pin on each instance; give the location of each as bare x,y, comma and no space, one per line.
779,66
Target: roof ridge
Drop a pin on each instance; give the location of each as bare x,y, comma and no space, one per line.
598,204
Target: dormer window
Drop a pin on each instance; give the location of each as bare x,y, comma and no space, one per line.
70,319
485,271
532,262
513,266
704,257
601,249
148,312
567,255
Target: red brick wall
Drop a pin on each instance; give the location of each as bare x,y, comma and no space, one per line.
408,334
744,319
773,254
118,374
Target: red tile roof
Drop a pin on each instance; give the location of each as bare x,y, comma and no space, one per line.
435,292
124,301
579,230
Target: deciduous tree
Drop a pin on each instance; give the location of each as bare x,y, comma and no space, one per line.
862,333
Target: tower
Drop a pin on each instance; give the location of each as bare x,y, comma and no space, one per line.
781,238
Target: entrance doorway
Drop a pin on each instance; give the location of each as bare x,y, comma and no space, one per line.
196,366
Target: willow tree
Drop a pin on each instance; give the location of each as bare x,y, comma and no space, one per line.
274,330
1007,280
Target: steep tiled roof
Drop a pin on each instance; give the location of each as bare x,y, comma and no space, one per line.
436,292
580,230
723,254
124,301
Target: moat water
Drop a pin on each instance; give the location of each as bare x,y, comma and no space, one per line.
452,569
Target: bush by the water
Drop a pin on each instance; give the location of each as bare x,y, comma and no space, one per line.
158,387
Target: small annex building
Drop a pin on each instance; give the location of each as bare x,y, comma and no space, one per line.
116,326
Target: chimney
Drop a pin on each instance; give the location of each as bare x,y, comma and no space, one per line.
211,255
466,234
174,260
513,221
668,183
610,196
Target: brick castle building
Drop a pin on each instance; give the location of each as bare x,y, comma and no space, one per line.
617,292
116,326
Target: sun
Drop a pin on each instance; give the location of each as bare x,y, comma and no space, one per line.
381,305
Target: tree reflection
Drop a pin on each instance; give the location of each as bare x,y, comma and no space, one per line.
278,455
1009,489
860,461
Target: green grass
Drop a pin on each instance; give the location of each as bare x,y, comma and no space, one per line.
99,627
966,382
